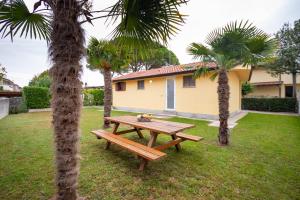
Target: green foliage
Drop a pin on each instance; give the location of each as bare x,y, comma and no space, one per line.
288,54
235,43
103,54
15,17
146,20
154,56
41,80
93,97
36,97
270,104
246,88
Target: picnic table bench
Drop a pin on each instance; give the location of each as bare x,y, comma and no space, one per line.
156,127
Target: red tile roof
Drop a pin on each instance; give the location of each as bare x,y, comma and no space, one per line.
166,71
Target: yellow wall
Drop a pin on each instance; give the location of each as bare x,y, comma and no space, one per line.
265,91
202,99
261,75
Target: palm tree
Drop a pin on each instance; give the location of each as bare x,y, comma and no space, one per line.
236,43
105,56
59,22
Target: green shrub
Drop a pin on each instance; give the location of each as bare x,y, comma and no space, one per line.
36,97
270,104
93,97
246,88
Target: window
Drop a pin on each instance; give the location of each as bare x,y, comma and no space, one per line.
189,81
140,84
288,91
120,86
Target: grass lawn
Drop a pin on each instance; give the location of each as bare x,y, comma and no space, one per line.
262,162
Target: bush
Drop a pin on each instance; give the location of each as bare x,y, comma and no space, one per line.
270,104
36,97
246,88
17,105
93,97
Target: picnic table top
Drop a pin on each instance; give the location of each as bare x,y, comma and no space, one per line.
159,126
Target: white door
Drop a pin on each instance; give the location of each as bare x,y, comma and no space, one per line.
170,101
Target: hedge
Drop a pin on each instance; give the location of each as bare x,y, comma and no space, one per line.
93,97
36,97
270,104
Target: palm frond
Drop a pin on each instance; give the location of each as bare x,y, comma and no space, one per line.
261,47
146,20
104,53
199,51
201,71
15,18
231,39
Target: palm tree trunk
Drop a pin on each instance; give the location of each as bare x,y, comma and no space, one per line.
107,95
66,50
251,73
294,75
223,95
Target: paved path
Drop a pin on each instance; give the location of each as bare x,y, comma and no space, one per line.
232,122
273,113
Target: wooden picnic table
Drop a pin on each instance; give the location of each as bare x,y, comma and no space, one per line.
156,127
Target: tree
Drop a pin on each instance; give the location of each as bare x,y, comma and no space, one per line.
247,88
155,56
138,21
288,54
41,80
105,56
236,43
2,75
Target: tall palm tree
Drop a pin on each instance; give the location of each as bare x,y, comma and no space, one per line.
236,43
105,56
59,22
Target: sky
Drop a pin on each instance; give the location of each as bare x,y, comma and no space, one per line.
24,58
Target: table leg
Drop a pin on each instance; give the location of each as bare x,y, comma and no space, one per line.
178,147
153,136
139,132
115,129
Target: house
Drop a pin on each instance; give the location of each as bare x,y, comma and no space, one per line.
266,85
8,85
173,90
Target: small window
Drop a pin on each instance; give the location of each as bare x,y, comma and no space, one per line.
120,86
288,91
189,81
140,84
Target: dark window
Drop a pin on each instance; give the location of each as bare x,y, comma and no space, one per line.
140,84
189,81
288,91
120,86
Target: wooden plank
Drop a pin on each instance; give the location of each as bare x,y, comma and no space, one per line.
138,145
177,146
115,129
151,143
141,150
126,131
169,144
189,137
138,130
155,125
